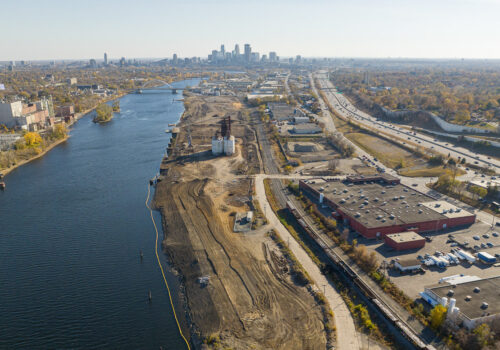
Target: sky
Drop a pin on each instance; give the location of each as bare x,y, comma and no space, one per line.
83,29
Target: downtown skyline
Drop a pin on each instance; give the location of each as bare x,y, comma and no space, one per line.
424,29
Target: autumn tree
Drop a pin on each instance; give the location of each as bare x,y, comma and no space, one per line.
32,139
438,315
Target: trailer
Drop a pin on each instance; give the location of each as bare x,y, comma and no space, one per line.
467,256
486,258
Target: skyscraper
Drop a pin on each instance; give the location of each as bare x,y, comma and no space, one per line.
105,59
272,56
248,52
223,50
237,50
174,59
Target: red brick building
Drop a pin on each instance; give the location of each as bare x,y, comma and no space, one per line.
405,240
379,205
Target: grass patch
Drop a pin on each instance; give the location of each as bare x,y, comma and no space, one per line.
389,154
427,172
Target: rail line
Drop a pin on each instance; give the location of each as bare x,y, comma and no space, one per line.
383,307
161,269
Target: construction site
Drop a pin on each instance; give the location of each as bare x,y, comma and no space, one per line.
238,291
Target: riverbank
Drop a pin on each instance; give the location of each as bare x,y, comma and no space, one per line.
4,172
78,116
82,206
238,288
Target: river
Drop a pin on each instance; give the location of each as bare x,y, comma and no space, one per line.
72,225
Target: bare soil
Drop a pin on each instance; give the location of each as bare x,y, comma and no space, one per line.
251,300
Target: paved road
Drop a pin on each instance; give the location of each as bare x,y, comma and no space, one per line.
420,182
347,336
345,108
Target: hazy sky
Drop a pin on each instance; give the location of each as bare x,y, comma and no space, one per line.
68,29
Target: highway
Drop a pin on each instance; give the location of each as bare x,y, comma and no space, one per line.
347,110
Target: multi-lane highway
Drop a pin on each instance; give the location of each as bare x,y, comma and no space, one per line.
345,108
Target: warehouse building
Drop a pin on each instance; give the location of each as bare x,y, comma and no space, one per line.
405,240
307,128
408,265
470,301
379,205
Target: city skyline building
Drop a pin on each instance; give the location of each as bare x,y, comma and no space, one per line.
248,52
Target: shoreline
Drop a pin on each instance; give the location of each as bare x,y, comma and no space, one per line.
78,116
26,161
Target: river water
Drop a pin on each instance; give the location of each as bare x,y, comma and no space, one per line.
72,225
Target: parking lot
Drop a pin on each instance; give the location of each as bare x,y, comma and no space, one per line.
412,284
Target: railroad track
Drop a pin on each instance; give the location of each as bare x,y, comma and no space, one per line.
372,295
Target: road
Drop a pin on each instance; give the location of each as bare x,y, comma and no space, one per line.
346,109
347,336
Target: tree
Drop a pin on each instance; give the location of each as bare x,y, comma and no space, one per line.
32,139
104,113
438,315
462,116
59,131
116,106
483,334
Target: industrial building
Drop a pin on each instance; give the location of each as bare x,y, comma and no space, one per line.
408,265
28,116
470,300
223,142
405,240
307,128
376,206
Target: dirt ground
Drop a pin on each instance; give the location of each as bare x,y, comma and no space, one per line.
251,301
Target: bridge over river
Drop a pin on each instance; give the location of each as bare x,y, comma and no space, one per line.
158,84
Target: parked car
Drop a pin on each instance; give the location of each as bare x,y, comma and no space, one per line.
477,238
490,245
486,235
495,234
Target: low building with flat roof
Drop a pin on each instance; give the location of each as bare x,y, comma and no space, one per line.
405,240
470,303
307,128
408,265
378,205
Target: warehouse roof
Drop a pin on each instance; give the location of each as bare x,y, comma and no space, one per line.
471,296
403,237
374,203
447,209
